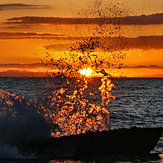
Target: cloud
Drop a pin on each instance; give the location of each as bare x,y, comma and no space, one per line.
22,73
144,66
144,42
39,65
117,43
21,6
142,20
111,43
18,65
27,35
40,70
129,20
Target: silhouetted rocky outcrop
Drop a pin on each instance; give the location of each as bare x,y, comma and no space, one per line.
132,142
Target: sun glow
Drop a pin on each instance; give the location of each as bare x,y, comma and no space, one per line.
86,72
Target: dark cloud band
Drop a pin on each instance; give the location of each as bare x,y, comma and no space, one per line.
39,65
129,20
26,35
22,6
121,43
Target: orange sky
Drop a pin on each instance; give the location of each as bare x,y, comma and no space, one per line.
23,41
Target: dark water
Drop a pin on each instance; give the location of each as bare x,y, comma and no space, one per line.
139,102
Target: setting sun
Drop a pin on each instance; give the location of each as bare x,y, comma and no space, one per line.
86,72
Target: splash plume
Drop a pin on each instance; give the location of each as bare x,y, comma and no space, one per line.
70,108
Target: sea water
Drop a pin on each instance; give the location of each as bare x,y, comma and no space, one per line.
139,102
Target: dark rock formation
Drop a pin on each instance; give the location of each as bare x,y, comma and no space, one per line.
134,141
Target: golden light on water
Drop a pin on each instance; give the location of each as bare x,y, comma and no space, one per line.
86,72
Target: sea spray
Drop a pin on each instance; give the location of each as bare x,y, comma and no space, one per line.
20,119
72,112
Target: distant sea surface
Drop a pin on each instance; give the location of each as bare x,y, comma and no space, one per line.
139,102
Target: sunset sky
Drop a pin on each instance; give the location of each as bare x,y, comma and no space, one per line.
31,28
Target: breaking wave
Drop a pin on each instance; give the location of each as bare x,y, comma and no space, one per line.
20,120
63,112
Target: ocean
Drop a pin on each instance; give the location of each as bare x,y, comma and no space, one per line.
24,101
